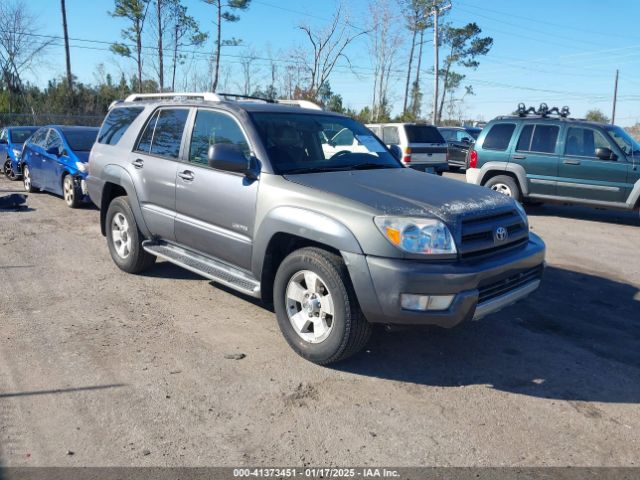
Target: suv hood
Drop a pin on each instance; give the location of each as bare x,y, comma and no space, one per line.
407,192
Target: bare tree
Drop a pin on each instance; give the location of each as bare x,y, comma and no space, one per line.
416,16
135,11
20,51
185,32
327,47
247,65
384,42
224,13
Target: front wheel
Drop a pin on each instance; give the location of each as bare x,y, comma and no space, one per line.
7,170
26,179
125,239
505,185
316,307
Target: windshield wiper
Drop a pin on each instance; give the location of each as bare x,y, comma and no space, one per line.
366,166
309,170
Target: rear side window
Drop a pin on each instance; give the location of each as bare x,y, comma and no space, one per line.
116,124
390,135
423,134
538,138
163,134
499,136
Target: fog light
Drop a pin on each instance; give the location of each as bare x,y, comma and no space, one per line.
421,303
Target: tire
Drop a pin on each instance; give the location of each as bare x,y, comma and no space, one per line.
504,184
71,192
7,170
26,179
125,239
341,333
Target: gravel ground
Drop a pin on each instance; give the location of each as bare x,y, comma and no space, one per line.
102,368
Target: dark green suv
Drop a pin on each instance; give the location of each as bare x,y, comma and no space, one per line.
542,156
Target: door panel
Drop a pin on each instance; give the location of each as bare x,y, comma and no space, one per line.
51,164
153,167
584,176
536,152
215,209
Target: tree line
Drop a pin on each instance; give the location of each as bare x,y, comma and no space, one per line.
161,40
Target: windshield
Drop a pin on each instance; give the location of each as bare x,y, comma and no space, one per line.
81,140
20,135
423,134
306,143
625,141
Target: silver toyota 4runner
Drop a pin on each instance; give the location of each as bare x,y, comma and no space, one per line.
250,195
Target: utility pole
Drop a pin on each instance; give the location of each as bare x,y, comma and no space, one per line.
437,10
66,43
615,98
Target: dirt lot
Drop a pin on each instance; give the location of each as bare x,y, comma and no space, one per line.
131,370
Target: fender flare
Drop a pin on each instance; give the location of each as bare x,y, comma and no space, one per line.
303,223
634,195
517,170
117,175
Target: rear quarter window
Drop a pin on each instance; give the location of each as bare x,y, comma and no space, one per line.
116,124
499,136
423,134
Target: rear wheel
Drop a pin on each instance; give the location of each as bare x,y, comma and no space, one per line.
316,307
71,191
26,179
125,239
505,185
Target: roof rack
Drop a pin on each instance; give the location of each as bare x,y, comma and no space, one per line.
238,96
207,96
300,103
216,97
543,111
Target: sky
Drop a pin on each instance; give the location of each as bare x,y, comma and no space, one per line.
561,52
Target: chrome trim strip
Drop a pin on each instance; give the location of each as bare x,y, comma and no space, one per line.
588,186
498,303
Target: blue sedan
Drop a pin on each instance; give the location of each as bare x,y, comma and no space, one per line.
55,159
11,142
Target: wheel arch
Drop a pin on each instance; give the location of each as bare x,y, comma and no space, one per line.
517,172
117,183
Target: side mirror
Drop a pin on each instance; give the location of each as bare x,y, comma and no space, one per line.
228,157
396,151
605,154
53,151
466,140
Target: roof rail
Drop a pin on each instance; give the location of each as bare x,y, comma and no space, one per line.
300,103
207,96
238,96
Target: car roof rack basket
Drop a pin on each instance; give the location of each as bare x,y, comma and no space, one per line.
542,111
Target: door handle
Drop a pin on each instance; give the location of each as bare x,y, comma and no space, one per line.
571,162
187,175
519,157
138,163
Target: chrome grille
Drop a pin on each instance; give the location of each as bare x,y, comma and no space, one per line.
478,234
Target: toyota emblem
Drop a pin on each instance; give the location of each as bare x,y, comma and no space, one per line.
501,234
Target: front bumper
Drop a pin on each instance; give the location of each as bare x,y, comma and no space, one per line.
480,286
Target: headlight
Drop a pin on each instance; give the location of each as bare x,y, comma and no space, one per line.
17,152
81,166
522,213
417,235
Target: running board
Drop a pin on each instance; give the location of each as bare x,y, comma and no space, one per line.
207,267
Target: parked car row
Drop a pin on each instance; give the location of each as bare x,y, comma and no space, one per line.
52,158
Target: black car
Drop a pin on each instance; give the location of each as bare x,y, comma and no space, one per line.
458,141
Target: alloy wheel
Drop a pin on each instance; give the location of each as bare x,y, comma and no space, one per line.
120,235
310,306
502,188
